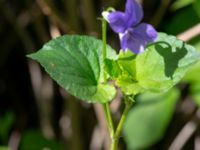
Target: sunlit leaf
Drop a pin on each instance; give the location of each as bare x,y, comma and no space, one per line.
159,68
75,63
192,76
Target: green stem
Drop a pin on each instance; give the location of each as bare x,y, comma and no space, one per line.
114,144
113,134
104,28
120,125
108,119
106,105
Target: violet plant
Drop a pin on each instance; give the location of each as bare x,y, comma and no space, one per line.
147,62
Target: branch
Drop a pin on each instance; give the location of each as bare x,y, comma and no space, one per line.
21,32
190,33
48,9
160,12
186,132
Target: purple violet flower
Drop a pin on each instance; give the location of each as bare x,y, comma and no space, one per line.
133,34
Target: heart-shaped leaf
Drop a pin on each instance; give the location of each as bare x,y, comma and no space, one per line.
75,62
159,68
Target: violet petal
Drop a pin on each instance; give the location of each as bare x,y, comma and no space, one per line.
131,41
134,12
146,32
117,21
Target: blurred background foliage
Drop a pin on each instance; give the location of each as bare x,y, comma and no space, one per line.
36,114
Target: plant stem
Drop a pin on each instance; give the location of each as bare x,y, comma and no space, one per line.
108,119
106,105
115,140
104,28
128,100
114,144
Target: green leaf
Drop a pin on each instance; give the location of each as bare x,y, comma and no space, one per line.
6,124
113,68
4,148
34,140
196,42
195,92
196,5
75,62
180,4
146,123
127,80
181,21
159,68
192,76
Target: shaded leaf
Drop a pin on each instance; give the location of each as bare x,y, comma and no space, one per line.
180,21
4,148
6,123
195,92
113,68
180,4
34,140
196,5
146,123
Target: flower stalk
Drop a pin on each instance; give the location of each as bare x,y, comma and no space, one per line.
106,105
114,135
104,39
115,140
